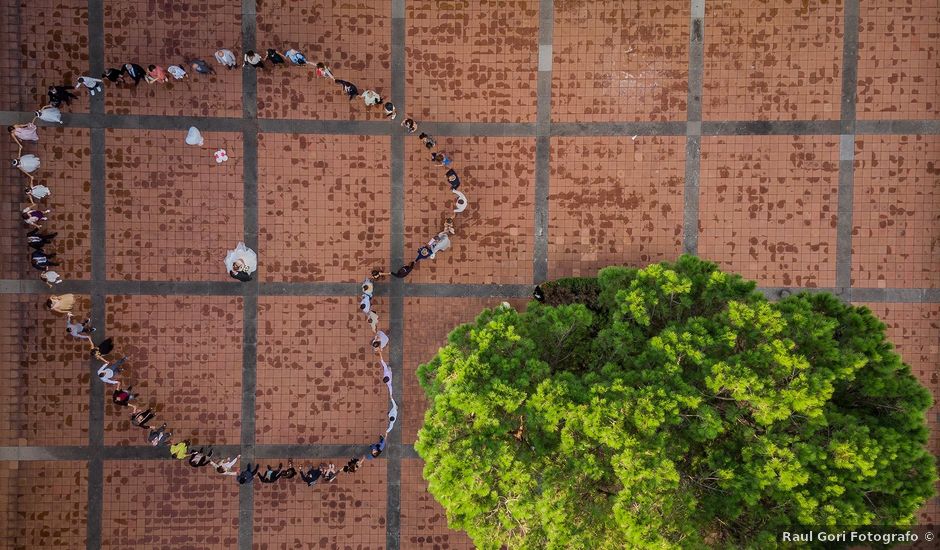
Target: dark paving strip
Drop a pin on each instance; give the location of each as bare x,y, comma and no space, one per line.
849,66
250,319
770,127
690,218
696,59
693,128
847,145
543,145
408,451
889,127
576,129
511,129
98,213
394,304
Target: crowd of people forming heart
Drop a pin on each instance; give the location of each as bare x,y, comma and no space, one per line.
241,262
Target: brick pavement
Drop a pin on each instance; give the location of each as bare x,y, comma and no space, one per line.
585,134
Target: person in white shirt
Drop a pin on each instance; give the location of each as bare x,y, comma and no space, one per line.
225,57
371,97
253,59
438,243
226,467
50,278
380,341
93,84
373,321
108,371
81,330
365,305
176,71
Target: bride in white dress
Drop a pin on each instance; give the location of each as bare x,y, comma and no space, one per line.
241,262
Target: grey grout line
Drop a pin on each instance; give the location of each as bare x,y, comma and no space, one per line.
250,130
507,129
690,217
395,301
98,213
543,145
693,128
849,66
147,452
847,145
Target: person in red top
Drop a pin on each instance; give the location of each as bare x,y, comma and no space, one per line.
155,73
122,397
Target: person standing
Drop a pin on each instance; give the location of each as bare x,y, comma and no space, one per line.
349,89
32,217
390,112
200,458
226,466
200,66
42,260
82,330
50,113
93,84
271,475
371,97
180,450
376,448
295,57
452,179
247,474
23,132
427,140
155,74
410,125
177,72
226,57
62,303
61,94
27,163
330,473
380,341
253,59
50,277
158,436
141,419
113,75
122,397
324,72
135,71
274,57
313,475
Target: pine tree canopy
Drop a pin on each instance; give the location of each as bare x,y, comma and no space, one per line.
671,407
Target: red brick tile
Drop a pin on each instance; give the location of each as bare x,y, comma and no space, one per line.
323,206
423,520
173,213
44,395
494,241
44,43
318,380
347,513
171,33
620,60
898,61
165,504
896,213
472,61
614,201
44,504
353,38
768,207
185,359
770,61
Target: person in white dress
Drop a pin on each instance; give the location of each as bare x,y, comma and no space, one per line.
226,57
438,243
27,163
193,137
50,277
23,132
38,192
176,71
461,204
241,262
49,114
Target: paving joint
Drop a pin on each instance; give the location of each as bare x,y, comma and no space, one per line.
693,128
543,132
847,145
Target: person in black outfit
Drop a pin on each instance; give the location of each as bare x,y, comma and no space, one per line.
248,474
352,465
349,89
290,472
311,477
453,180
271,475
42,260
141,418
37,240
134,71
114,75
60,94
538,294
200,458
274,57
404,270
